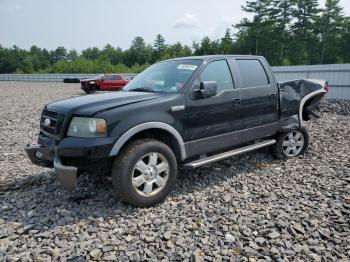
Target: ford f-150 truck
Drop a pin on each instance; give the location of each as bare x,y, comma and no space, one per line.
107,82
193,110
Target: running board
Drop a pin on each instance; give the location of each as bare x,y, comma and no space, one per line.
238,151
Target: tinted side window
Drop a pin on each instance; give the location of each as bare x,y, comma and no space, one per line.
116,77
128,77
253,73
219,72
108,78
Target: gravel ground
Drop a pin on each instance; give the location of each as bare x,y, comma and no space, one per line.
247,208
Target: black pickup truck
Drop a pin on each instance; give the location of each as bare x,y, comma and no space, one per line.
193,110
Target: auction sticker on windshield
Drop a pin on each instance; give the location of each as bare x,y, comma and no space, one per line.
187,67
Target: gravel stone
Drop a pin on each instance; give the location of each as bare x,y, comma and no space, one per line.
167,235
95,253
230,238
198,256
260,241
227,197
247,232
246,208
250,251
129,238
273,235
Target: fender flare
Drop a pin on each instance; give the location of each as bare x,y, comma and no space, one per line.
288,124
144,126
304,100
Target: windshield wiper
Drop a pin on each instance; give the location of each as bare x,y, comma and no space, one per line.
142,89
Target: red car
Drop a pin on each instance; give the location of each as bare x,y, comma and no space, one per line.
106,82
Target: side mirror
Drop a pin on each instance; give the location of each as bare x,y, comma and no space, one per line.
206,89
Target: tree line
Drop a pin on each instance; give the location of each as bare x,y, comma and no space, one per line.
286,32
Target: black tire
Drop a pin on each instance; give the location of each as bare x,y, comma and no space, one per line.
124,169
279,151
90,90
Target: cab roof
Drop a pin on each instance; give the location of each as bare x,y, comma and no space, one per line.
209,57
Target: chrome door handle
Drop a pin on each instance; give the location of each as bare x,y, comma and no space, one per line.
236,101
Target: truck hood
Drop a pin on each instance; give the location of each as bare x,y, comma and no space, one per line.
88,80
89,105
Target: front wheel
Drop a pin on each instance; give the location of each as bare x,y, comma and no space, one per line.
90,90
291,144
144,173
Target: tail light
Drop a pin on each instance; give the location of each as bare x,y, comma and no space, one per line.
326,87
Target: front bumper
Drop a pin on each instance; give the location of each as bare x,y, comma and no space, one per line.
40,155
85,151
86,86
67,175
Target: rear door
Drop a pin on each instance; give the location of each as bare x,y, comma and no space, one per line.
214,123
259,98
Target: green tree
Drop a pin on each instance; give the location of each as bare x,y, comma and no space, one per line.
59,54
281,12
45,58
72,55
226,44
36,58
260,9
148,54
11,59
137,50
304,45
159,47
330,27
27,66
345,43
91,53
176,50
115,55
206,47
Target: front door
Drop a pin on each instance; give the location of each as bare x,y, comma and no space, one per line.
105,83
214,123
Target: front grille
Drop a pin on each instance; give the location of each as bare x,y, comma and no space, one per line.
51,122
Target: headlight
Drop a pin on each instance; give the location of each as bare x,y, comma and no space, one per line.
87,127
92,82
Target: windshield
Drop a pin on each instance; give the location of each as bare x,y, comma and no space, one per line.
165,77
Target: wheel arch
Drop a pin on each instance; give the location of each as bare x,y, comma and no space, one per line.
158,130
310,98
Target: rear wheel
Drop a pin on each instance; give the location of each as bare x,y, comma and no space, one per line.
145,172
291,144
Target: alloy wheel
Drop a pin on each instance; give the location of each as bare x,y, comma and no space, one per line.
293,143
150,174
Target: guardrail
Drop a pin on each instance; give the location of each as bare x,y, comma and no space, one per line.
47,77
338,76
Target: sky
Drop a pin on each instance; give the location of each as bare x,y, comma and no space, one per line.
79,24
